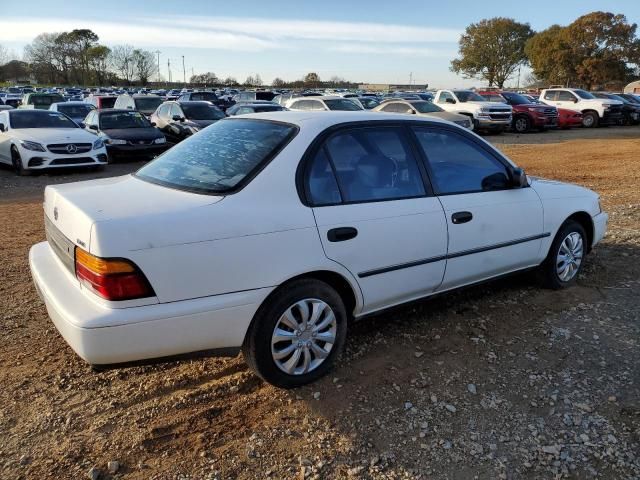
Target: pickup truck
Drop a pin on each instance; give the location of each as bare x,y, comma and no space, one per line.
40,101
595,111
486,115
527,115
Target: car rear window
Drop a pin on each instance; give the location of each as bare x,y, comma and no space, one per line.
147,104
219,158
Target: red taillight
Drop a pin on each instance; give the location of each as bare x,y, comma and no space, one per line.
112,279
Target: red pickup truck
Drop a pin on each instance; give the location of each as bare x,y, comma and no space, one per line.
527,115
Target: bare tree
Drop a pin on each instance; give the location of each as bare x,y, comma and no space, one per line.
144,65
122,61
4,55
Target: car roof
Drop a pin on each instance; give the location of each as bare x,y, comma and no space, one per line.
323,119
258,104
192,102
75,102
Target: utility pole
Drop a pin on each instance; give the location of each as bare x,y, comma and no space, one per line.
184,72
169,68
518,87
410,78
158,52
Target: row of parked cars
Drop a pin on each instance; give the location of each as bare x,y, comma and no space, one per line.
48,132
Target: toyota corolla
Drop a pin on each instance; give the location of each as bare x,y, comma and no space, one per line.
270,232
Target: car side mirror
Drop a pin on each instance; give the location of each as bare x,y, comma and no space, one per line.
1,127
93,127
519,178
450,100
575,100
153,124
176,118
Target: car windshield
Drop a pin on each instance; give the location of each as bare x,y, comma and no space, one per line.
219,157
74,111
630,98
465,96
516,99
207,96
426,107
202,112
40,119
14,90
584,94
128,119
342,104
108,102
147,104
45,100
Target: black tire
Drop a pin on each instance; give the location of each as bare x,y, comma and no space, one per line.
257,344
548,270
590,120
522,124
16,160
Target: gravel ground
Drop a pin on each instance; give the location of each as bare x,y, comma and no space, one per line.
503,380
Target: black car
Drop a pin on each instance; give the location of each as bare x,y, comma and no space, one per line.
179,120
126,133
244,108
630,109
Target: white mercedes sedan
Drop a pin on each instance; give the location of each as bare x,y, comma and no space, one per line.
32,140
270,232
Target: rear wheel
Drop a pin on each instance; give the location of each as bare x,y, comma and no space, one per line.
297,334
18,166
566,256
590,120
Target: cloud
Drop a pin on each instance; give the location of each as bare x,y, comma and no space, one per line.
377,49
242,34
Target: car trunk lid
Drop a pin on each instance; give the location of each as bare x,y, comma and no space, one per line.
72,209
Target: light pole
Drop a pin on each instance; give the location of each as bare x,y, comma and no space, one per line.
158,52
169,68
184,72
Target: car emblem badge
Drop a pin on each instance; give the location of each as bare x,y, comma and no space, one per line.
55,213
71,148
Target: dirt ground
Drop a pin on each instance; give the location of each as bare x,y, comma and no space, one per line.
503,380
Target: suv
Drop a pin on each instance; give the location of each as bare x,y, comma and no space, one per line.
145,104
595,111
101,101
40,101
527,115
485,115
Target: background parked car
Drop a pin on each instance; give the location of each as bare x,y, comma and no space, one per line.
145,104
323,103
423,108
568,118
489,116
40,101
179,120
126,133
101,101
527,115
221,102
244,108
76,111
37,139
595,111
366,103
630,110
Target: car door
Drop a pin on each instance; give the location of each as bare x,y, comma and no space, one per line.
374,214
493,228
564,99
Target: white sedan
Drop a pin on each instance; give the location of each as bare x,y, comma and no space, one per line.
268,232
33,140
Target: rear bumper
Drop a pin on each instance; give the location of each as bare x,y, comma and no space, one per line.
102,335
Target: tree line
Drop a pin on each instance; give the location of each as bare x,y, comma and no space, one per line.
77,58
596,49
310,80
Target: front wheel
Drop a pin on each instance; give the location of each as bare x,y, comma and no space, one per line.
590,120
297,334
18,166
522,124
566,257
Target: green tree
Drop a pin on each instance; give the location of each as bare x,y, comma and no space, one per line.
492,50
311,79
550,56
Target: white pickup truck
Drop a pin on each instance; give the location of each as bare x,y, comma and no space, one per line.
595,111
486,115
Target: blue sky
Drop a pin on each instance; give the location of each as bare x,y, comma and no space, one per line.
373,41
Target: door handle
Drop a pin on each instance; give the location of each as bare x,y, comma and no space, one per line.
341,234
461,217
